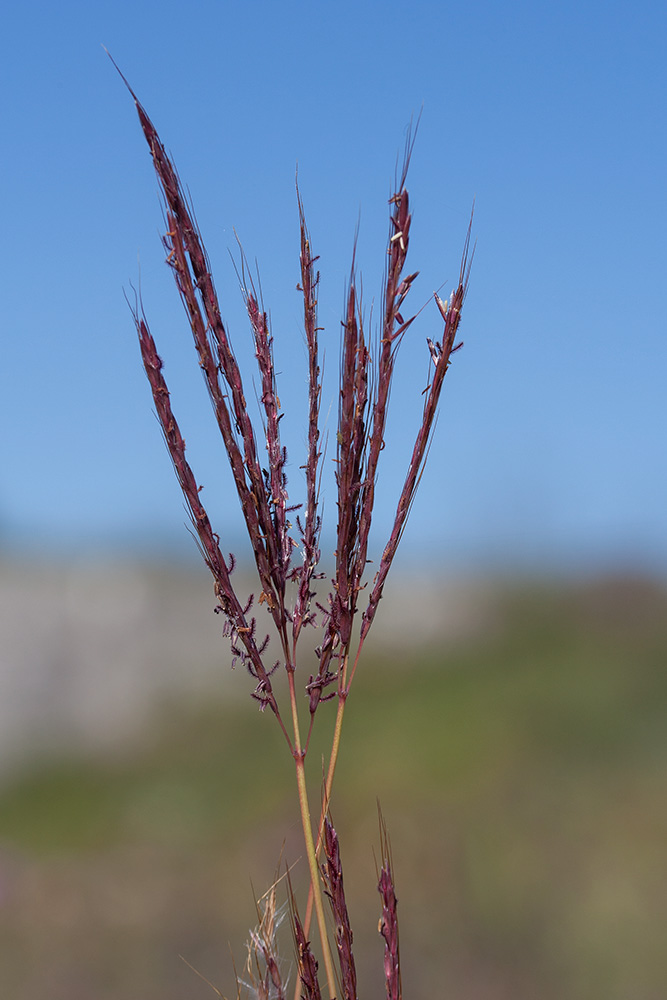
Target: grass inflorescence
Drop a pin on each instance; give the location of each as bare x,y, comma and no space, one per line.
287,561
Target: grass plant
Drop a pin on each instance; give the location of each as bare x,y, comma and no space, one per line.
285,540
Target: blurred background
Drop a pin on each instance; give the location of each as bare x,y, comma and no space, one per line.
510,715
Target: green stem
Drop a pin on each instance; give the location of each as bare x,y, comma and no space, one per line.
328,785
311,854
315,876
343,691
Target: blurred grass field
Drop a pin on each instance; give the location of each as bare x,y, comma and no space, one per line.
522,773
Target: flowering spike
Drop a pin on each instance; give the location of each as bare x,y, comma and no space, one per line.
366,374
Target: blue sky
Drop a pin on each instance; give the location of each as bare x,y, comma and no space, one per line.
550,450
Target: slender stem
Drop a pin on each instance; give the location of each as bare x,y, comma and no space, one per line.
297,749
320,829
331,770
311,853
335,746
314,876
343,691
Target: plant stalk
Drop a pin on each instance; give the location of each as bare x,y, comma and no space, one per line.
315,888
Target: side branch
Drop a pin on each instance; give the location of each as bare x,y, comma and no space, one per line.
441,354
208,540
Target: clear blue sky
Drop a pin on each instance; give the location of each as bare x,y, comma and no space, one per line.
550,451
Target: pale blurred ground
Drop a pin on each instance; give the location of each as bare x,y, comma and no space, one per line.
89,651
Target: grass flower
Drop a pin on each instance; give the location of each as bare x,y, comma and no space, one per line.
288,566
